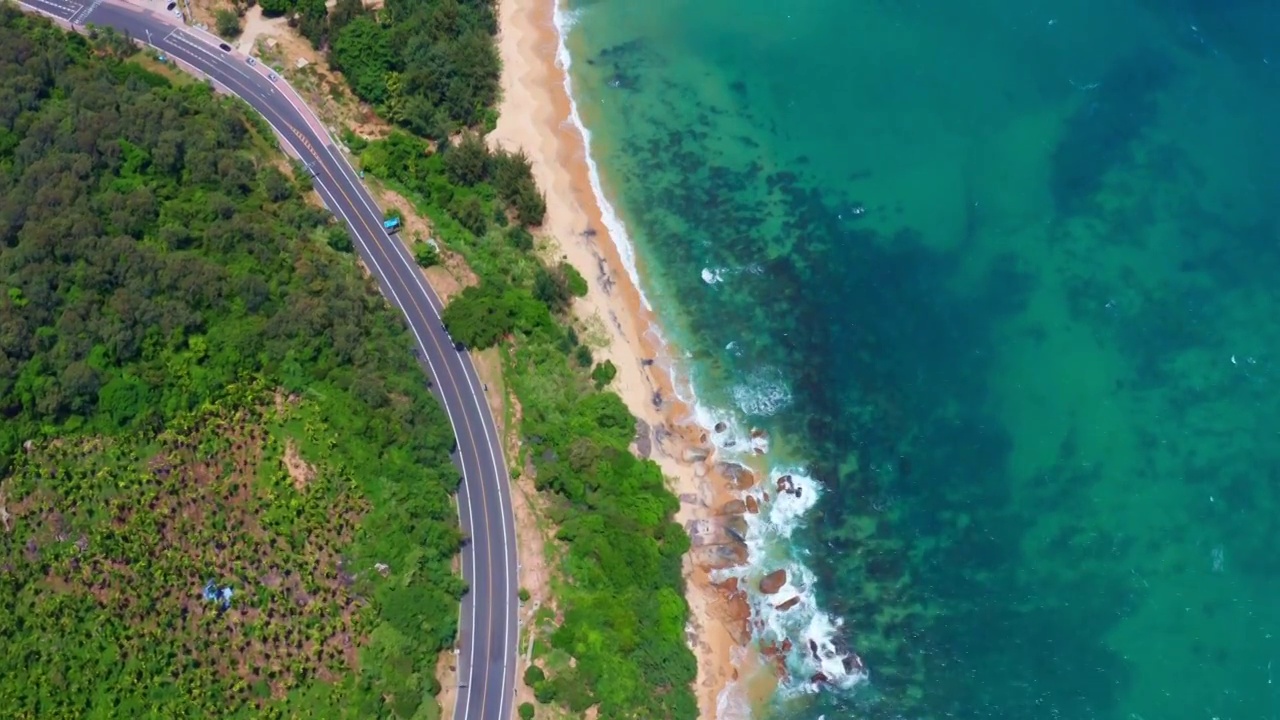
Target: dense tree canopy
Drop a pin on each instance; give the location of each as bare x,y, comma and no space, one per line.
430,66
194,382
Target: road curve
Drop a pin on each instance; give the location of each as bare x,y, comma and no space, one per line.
488,628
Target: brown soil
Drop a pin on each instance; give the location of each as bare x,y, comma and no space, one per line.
301,472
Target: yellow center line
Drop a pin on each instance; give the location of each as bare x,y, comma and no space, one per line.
484,499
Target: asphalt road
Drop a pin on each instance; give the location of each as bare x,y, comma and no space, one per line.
488,630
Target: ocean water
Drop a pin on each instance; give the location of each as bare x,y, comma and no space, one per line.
1002,281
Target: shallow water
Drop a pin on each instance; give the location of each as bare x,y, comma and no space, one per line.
1004,278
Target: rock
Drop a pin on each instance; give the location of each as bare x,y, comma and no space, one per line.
752,505
721,427
786,645
818,678
719,556
785,484
734,507
788,604
813,648
735,525
773,582
739,476
694,454
644,439
757,433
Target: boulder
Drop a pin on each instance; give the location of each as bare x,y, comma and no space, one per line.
773,582
734,507
694,454
752,505
818,678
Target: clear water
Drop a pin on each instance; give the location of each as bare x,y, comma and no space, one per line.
1006,277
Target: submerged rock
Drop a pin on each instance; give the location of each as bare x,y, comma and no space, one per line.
752,505
788,604
773,582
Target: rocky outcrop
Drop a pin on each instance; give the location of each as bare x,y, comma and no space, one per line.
738,476
773,582
752,505
787,605
733,507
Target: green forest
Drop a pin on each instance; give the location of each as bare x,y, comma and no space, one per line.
429,66
622,595
198,387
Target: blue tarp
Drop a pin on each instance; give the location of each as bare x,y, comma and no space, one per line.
222,596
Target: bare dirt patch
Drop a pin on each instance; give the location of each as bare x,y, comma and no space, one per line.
300,471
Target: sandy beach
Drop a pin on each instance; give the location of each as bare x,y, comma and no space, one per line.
535,117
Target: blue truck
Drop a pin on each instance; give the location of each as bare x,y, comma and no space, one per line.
391,225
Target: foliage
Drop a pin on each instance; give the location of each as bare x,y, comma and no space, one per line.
430,66
526,711
173,326
467,163
603,374
426,254
362,51
461,210
623,606
227,23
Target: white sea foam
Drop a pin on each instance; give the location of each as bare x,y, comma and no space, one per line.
564,21
813,633
763,392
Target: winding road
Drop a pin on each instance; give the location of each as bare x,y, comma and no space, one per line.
488,628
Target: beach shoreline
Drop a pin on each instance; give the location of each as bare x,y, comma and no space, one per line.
535,116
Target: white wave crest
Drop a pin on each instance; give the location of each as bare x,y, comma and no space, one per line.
763,392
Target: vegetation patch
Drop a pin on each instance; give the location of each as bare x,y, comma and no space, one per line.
617,646
199,393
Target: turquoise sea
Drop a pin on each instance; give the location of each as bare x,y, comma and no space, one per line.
1002,280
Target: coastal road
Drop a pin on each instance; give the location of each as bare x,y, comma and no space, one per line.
488,629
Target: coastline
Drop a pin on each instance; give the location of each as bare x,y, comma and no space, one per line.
534,116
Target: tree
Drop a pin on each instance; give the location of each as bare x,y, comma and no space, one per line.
469,212
426,254
467,163
337,238
362,51
227,23
526,711
603,374
275,8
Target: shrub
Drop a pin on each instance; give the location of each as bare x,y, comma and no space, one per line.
338,238
573,280
520,238
534,675
227,23
603,374
426,254
524,595
526,711
467,163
